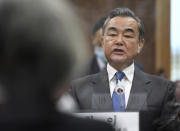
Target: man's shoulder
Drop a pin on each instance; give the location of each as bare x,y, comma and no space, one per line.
156,79
88,78
82,124
54,122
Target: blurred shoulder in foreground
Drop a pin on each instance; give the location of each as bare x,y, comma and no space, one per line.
39,46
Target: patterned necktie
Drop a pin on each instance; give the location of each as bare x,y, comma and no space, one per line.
118,97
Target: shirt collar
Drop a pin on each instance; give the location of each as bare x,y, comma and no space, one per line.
128,71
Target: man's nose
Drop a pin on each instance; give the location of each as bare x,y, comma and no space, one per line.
119,40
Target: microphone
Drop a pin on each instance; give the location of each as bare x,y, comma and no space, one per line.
119,91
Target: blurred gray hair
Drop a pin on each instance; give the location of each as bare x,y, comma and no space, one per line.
40,38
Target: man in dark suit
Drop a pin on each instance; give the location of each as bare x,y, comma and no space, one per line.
122,86
98,61
37,53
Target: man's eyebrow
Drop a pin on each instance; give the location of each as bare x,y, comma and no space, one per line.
112,28
129,30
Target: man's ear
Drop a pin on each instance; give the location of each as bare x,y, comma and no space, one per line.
140,45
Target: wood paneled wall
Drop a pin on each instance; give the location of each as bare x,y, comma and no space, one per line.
92,10
163,57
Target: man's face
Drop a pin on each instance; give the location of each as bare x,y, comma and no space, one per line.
121,41
97,38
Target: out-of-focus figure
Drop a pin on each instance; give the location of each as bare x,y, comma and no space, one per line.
98,61
161,72
92,66
39,41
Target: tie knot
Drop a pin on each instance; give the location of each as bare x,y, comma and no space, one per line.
119,75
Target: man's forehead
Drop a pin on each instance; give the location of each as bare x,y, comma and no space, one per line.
122,21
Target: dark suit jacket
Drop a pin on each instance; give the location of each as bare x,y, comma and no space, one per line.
55,122
149,95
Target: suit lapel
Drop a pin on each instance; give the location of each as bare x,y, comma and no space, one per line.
101,99
139,92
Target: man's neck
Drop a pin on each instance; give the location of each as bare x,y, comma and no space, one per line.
121,66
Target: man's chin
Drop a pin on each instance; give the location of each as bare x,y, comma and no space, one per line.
117,63
120,63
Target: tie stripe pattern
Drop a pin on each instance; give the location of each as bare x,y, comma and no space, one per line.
118,97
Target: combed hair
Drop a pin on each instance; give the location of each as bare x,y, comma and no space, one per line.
125,12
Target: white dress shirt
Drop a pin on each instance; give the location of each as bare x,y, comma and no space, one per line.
125,83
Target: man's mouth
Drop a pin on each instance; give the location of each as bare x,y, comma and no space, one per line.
118,51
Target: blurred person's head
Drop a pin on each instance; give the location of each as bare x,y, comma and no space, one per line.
39,44
97,32
123,37
97,39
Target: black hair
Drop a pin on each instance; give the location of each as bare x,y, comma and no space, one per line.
98,25
125,12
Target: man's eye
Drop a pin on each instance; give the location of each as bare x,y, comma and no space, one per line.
128,36
112,35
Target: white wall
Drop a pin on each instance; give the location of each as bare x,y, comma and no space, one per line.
175,40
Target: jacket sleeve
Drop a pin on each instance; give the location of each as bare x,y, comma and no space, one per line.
169,119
